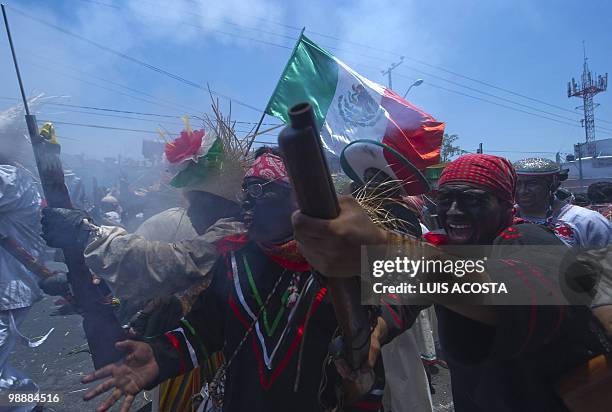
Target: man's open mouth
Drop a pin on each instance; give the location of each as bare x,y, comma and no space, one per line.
460,232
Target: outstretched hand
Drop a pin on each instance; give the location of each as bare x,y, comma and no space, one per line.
126,378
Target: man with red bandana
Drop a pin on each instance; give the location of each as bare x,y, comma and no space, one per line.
501,358
266,309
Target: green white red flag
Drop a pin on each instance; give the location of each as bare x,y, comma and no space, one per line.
350,108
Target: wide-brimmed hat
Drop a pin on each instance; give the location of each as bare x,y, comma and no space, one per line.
198,161
361,155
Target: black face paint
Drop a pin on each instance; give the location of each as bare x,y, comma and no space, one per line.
471,215
534,194
268,217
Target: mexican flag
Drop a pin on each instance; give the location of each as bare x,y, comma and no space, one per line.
350,108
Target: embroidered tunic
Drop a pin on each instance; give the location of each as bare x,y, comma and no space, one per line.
263,374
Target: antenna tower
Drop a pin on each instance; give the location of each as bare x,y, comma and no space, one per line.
591,84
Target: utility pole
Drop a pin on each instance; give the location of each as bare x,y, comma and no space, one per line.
578,150
591,84
389,70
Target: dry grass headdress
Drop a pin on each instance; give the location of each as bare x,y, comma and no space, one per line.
212,159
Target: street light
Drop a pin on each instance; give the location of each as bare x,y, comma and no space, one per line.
417,82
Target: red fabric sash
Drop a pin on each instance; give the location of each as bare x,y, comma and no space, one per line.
436,239
286,255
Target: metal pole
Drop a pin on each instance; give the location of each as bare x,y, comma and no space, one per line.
102,329
580,165
406,94
10,39
275,88
263,115
390,69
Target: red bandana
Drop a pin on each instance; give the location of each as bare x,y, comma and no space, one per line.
286,255
489,172
269,167
435,238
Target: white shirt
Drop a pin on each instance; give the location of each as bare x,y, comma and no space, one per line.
592,229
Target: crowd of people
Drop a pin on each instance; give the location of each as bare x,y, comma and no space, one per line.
226,297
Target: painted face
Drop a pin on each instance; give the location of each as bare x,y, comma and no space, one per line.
471,216
266,209
533,193
205,209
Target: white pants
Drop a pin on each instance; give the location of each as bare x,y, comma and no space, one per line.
12,379
406,385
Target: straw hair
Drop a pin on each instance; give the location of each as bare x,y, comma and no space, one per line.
227,180
375,199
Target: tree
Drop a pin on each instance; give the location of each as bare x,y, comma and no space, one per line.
448,150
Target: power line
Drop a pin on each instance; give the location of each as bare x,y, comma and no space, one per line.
440,87
106,109
133,59
124,129
68,138
117,116
99,108
415,69
524,151
397,54
506,106
473,89
101,3
548,113
223,21
152,120
460,93
47,69
490,95
207,29
173,105
98,126
441,69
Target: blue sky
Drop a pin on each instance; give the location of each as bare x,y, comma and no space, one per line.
239,48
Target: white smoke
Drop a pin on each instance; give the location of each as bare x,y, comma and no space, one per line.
229,21
14,137
56,63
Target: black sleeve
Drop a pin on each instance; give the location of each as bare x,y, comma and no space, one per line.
527,256
200,334
398,318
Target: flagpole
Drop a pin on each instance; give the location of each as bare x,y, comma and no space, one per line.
263,115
